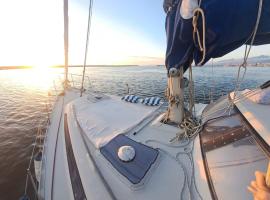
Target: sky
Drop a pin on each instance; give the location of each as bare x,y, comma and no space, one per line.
123,32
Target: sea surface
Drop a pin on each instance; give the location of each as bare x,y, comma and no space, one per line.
25,93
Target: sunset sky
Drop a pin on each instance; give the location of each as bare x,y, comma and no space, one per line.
123,32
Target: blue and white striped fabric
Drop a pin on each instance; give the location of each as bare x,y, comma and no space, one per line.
131,98
151,101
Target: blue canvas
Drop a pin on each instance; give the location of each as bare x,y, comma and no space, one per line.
229,25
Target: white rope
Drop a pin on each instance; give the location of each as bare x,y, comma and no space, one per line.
190,126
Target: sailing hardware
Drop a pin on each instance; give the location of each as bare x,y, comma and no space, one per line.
168,4
175,96
126,153
265,85
37,165
136,169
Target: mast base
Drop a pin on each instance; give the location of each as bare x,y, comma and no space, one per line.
175,95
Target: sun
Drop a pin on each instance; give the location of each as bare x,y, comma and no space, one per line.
43,66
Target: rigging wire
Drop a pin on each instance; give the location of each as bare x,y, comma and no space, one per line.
66,42
87,41
212,89
247,52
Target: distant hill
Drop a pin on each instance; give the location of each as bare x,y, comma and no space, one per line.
259,61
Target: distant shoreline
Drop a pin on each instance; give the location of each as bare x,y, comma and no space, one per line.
60,66
237,65
14,67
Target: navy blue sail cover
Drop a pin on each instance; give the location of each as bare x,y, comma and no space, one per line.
229,25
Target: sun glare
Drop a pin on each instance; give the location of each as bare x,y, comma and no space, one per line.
40,44
42,67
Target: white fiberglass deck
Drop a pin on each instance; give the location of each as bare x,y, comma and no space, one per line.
257,115
109,117
172,176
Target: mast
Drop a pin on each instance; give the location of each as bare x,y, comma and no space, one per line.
176,96
66,42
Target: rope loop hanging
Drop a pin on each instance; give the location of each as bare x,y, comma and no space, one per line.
196,34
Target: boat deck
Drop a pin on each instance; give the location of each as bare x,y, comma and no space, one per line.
257,115
78,170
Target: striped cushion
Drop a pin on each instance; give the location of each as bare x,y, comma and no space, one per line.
152,101
131,98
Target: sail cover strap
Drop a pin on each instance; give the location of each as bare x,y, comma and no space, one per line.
228,25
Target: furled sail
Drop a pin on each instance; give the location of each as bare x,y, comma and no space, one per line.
222,26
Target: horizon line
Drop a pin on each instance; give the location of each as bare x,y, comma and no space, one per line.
4,67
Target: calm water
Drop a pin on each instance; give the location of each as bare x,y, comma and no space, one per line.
24,94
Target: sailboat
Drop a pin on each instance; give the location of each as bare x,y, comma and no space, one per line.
101,146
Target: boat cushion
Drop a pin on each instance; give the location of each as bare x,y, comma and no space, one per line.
131,98
151,101
136,169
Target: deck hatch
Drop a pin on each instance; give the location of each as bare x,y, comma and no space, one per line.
136,169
